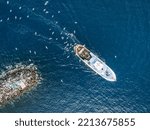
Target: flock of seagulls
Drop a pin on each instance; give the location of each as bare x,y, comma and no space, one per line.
64,34
67,39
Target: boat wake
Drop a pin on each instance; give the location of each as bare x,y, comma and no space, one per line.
40,21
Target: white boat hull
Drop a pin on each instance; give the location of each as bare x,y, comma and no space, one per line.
98,66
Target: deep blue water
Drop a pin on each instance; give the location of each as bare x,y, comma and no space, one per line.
116,30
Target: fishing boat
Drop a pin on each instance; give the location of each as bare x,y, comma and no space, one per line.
95,63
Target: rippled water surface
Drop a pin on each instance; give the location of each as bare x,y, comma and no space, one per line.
44,33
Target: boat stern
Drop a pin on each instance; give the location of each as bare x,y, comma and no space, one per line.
76,47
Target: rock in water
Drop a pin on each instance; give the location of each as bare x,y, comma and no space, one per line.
17,80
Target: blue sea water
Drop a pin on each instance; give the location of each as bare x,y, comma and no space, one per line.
118,31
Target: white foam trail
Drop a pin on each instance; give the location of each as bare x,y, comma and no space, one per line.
70,37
